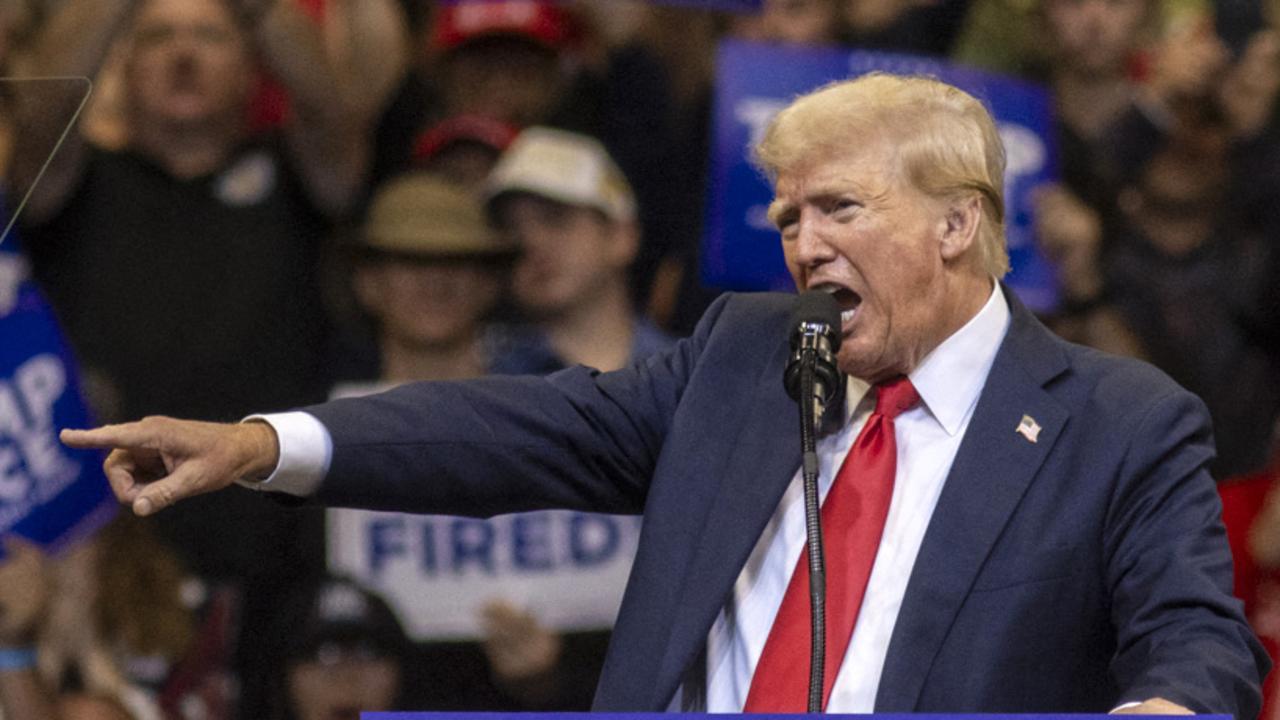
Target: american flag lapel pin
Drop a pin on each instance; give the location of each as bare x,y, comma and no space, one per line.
1028,428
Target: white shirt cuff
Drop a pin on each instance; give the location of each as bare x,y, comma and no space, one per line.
1125,706
306,449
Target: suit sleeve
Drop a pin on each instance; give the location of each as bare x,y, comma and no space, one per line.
577,439
1180,634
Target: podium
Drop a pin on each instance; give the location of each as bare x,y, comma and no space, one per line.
753,716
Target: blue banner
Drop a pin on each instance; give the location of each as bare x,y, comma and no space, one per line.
740,716
741,250
49,494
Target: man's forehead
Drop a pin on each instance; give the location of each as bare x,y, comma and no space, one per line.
184,10
859,172
517,207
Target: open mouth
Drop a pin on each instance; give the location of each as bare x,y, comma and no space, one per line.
847,299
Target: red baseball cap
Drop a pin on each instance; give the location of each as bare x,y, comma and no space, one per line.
463,128
464,20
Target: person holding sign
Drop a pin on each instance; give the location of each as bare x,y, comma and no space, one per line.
1046,537
429,272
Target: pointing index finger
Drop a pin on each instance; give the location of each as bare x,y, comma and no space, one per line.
106,437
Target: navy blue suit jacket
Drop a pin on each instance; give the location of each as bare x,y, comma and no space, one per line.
1067,574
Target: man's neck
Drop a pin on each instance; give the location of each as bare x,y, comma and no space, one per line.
597,334
457,360
961,301
187,151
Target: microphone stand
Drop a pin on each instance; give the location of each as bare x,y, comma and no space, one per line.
813,380
810,412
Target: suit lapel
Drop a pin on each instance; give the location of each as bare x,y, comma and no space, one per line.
763,458
991,472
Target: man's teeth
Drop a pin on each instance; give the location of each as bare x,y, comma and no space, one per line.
843,296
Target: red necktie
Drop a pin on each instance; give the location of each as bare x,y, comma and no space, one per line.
852,522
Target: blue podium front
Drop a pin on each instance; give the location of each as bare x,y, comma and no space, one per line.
730,716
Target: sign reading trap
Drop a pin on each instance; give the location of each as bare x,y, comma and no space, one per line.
49,494
754,81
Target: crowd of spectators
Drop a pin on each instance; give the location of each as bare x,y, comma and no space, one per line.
268,199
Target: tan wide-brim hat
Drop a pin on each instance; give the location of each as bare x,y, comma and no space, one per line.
563,166
421,215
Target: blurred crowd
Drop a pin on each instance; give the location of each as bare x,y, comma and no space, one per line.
269,201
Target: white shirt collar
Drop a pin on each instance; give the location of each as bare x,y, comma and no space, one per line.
950,378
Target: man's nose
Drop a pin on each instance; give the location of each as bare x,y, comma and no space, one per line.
535,237
1098,13
185,44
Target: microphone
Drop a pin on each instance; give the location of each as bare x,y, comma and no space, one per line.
815,330
812,380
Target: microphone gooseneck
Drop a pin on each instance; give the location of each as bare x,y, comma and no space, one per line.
812,379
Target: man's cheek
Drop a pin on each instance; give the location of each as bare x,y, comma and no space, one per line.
797,274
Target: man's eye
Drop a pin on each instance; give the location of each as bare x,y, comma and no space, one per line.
213,35
153,36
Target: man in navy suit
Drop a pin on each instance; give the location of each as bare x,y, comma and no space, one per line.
1052,543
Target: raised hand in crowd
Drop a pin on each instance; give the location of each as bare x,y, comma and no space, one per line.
1192,63
24,595
368,42
324,135
74,42
38,609
1264,533
866,16
158,461
1070,234
523,654
325,132
1186,62
1247,94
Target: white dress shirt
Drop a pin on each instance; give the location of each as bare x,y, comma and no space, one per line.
949,381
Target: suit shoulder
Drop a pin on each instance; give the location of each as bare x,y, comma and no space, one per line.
736,313
1126,383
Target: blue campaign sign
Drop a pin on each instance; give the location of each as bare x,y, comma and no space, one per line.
49,494
732,716
754,81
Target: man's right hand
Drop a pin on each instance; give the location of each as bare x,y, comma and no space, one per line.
158,461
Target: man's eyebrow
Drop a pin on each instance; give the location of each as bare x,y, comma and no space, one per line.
777,208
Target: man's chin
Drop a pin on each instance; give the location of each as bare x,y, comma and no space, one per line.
185,110
859,363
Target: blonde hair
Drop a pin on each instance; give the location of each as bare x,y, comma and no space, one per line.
945,140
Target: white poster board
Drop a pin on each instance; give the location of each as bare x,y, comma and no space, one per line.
566,568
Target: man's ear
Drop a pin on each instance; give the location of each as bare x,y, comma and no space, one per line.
366,282
625,243
960,227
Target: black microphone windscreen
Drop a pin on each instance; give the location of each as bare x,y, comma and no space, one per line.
818,307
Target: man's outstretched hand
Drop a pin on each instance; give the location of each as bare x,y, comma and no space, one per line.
158,461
